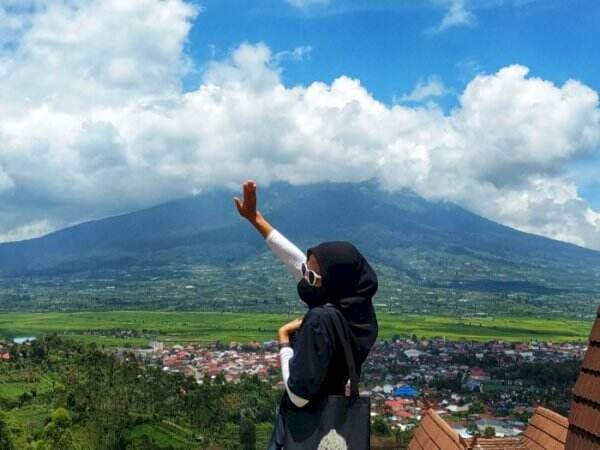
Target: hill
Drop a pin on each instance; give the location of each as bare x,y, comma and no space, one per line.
416,245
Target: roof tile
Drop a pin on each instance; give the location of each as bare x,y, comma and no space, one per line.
591,360
595,334
434,433
499,444
547,430
588,387
551,423
531,444
578,442
585,417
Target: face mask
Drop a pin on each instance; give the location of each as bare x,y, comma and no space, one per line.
311,295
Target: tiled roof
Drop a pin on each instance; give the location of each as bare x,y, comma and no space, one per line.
584,417
498,444
546,430
434,433
587,386
591,360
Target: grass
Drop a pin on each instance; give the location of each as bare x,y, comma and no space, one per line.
31,417
163,435
182,327
12,391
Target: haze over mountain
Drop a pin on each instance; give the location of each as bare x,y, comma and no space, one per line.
392,229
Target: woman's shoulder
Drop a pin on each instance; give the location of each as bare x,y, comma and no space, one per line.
319,317
317,312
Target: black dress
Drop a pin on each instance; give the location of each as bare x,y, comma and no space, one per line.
317,369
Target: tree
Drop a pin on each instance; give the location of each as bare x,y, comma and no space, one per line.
380,426
476,408
6,442
147,443
58,435
402,438
473,430
247,431
489,432
388,411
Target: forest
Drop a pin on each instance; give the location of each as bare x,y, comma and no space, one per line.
62,394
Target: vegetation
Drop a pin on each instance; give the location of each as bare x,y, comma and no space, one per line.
380,426
432,258
79,397
261,285
489,432
122,328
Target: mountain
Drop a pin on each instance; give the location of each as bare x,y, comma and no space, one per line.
378,222
413,241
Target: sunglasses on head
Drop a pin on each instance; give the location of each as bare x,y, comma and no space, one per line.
310,275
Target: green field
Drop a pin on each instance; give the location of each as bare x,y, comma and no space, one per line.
106,328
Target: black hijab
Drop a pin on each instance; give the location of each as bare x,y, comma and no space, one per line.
349,283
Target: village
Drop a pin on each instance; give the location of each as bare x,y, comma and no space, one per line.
458,379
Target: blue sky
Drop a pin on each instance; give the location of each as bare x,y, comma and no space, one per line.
390,46
109,106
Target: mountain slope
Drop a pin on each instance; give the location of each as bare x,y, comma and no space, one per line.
392,229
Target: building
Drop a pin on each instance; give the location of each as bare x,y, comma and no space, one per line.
584,416
405,391
546,430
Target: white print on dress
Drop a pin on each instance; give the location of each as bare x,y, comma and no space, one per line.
332,441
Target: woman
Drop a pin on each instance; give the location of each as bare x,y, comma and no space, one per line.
331,272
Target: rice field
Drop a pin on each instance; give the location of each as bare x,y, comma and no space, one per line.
137,328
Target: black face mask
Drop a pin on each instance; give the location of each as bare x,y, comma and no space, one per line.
311,295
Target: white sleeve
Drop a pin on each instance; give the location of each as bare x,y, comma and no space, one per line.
285,354
287,252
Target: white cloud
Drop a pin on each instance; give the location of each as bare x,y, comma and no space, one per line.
303,4
462,13
27,231
95,123
100,52
457,14
425,89
297,54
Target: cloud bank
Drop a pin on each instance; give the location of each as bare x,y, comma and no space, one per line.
93,121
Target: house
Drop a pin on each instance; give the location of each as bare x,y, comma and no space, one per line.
473,385
458,409
399,403
546,429
388,388
478,374
405,391
584,415
412,353
500,428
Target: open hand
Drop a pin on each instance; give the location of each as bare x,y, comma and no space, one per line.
247,207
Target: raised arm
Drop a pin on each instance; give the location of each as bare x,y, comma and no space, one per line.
291,256
247,209
287,252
